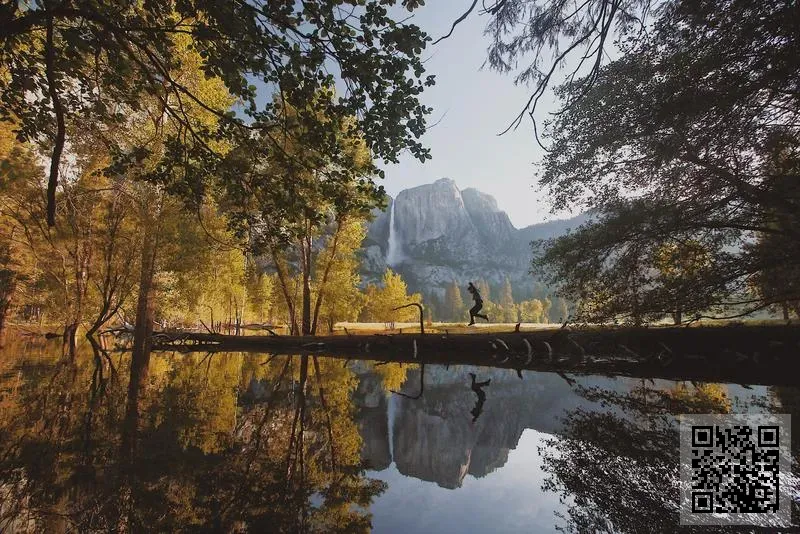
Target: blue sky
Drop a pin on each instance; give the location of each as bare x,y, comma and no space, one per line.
479,103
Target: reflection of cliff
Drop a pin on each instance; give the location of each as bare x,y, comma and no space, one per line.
434,437
436,440
374,429
373,424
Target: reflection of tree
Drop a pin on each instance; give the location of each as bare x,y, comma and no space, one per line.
787,400
620,465
392,375
286,461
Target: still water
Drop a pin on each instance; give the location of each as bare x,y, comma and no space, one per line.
242,442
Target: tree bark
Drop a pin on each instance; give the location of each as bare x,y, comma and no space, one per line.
58,145
306,298
8,284
324,282
82,259
142,341
284,283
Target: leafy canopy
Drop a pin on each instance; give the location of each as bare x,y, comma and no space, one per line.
94,61
688,143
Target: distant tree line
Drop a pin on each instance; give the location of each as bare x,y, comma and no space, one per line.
540,307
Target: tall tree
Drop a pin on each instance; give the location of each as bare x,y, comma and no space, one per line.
392,293
259,291
8,281
453,302
84,264
483,289
506,303
318,197
337,296
688,123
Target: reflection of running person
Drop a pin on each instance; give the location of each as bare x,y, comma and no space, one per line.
473,312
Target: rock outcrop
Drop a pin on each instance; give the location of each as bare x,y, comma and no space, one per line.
445,235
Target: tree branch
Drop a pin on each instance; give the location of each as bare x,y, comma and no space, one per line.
458,21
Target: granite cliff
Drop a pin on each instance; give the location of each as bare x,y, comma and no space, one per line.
442,234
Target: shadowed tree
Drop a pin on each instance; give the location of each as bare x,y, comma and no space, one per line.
536,39
689,124
453,302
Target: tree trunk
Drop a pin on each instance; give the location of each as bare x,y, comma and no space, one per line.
3,312
324,282
306,250
82,259
8,284
677,317
284,283
637,317
785,307
71,338
142,340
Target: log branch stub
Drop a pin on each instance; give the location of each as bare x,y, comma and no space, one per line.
421,317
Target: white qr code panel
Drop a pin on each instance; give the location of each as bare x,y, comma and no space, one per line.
735,469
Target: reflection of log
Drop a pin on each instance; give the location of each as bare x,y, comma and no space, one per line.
701,354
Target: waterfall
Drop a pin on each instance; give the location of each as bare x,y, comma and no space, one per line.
393,255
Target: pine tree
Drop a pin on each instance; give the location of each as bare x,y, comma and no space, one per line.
453,302
483,289
506,302
547,304
506,294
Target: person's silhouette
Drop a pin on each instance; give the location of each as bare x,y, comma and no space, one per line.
473,312
477,387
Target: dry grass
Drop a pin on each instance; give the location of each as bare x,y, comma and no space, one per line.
484,328
433,328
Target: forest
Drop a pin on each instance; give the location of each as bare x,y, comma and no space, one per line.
213,168
185,187
147,180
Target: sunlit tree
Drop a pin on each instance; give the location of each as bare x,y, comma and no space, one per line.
391,294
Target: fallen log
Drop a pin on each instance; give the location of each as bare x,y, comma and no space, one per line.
738,354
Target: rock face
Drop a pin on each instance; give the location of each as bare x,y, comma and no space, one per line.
434,438
445,235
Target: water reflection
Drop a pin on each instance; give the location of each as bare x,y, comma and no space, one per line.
207,458
243,442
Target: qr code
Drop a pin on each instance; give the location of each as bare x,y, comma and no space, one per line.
735,469
732,467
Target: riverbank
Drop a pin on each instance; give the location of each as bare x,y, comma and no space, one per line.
738,353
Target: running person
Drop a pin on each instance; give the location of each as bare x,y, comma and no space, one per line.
473,312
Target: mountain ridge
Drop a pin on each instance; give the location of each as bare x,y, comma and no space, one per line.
445,234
